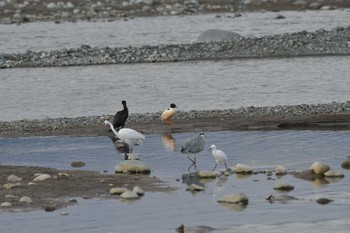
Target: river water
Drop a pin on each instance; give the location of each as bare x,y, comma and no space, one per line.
96,90
163,212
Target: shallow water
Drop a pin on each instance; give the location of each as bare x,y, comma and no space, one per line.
45,36
163,212
95,90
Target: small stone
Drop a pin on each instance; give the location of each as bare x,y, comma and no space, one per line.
195,188
77,164
132,166
5,204
129,195
242,169
281,170
346,164
333,174
14,178
49,207
117,191
10,197
319,168
323,201
72,200
42,177
25,199
138,190
237,198
207,174
64,213
63,174
283,186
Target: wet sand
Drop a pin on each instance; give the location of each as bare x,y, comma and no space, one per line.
55,193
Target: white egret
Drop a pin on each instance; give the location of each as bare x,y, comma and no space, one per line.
219,156
127,135
193,145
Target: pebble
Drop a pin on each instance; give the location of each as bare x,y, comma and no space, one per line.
346,164
207,174
25,199
236,198
282,186
280,170
243,169
117,191
129,195
132,166
138,190
14,178
332,173
319,168
6,204
41,177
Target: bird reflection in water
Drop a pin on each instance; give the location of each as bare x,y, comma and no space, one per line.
168,141
120,146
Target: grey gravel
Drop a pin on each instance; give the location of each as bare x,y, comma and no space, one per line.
287,111
318,43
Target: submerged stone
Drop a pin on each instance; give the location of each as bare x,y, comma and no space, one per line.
236,198
132,166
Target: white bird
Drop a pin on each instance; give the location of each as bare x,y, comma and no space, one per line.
219,156
193,145
168,114
127,135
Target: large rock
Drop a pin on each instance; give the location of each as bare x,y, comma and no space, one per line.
236,198
132,166
319,168
216,35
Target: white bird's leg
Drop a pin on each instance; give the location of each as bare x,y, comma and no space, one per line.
195,162
215,166
226,166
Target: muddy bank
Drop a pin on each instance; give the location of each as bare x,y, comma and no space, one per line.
65,184
321,116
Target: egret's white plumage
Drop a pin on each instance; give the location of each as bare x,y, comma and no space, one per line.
168,114
127,135
219,156
193,145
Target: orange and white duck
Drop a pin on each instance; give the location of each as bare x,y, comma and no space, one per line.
168,114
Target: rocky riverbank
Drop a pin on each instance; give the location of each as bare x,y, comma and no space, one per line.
320,116
12,11
318,43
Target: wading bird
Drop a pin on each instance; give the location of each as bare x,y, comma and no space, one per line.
120,117
128,136
193,145
168,114
219,156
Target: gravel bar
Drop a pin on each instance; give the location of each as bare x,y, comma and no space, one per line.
319,116
318,43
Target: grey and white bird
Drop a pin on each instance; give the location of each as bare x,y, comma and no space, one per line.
193,145
219,156
127,135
